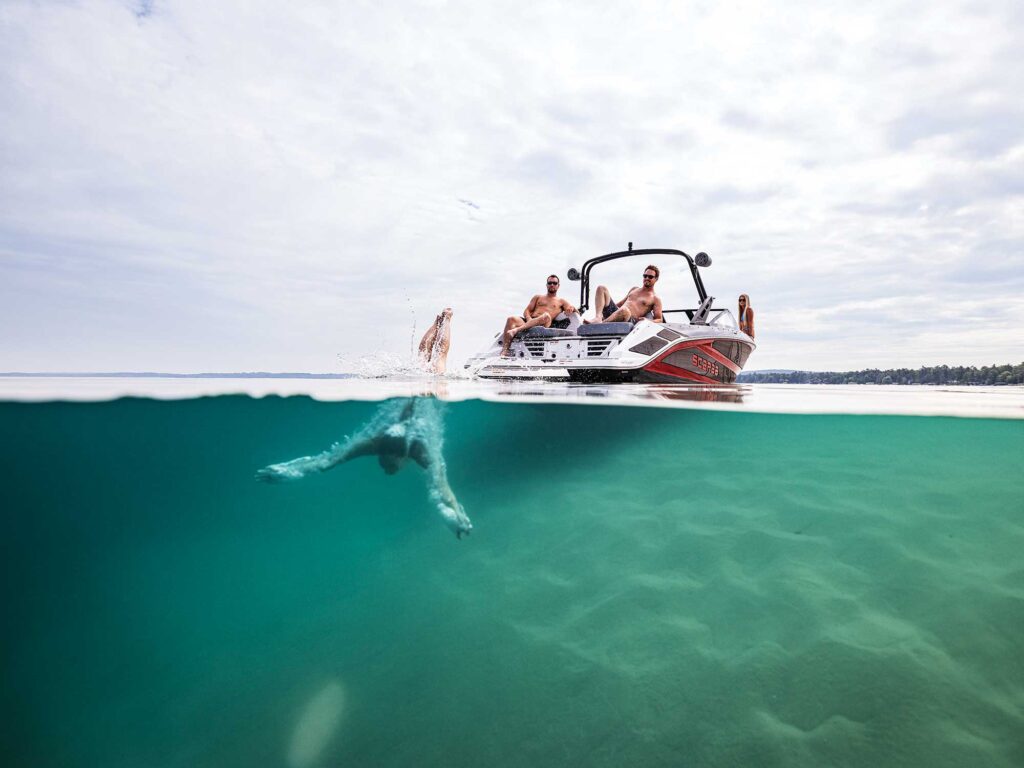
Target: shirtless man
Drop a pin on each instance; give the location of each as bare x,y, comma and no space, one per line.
542,309
633,308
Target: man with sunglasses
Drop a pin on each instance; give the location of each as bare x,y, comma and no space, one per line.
632,309
542,310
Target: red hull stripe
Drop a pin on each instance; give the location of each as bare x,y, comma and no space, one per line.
713,353
678,373
704,345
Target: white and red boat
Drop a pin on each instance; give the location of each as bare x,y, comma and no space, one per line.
701,345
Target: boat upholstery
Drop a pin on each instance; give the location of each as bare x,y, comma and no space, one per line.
572,322
540,332
567,325
605,329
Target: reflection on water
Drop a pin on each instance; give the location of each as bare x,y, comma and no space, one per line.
697,393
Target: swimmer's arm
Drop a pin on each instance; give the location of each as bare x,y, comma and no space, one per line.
439,485
296,469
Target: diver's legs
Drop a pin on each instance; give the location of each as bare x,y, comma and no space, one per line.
427,342
436,341
441,343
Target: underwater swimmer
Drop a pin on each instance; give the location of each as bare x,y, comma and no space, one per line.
399,431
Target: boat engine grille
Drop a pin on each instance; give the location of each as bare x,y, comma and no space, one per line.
597,347
535,347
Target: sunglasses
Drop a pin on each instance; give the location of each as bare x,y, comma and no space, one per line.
552,282
650,277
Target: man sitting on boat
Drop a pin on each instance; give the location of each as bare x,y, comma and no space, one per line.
542,310
634,307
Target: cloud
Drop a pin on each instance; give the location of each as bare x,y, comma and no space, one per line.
973,130
242,186
552,170
143,8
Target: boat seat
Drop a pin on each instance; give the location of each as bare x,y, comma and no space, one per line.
572,322
540,332
605,329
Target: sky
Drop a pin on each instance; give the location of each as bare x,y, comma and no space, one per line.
190,186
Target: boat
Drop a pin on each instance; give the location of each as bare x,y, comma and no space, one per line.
701,345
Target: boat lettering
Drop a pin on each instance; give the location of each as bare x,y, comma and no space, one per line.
710,368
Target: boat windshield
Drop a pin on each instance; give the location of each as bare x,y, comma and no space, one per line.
722,318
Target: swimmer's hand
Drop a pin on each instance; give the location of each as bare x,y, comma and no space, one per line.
288,471
276,473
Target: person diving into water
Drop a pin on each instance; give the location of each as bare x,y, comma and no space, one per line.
400,430
436,341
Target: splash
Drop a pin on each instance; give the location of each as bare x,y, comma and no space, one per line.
410,428
381,365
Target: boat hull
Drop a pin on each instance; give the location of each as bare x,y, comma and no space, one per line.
688,362
653,353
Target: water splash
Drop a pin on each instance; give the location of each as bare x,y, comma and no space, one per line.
380,365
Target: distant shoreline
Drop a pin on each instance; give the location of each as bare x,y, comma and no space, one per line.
942,375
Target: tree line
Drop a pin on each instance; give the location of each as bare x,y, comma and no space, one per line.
939,374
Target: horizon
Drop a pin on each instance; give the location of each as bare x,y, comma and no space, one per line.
354,374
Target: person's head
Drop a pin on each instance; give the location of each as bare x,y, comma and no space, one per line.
744,301
553,284
651,275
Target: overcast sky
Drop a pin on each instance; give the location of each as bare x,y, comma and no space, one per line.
231,186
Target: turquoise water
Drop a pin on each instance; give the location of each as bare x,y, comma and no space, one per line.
641,587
